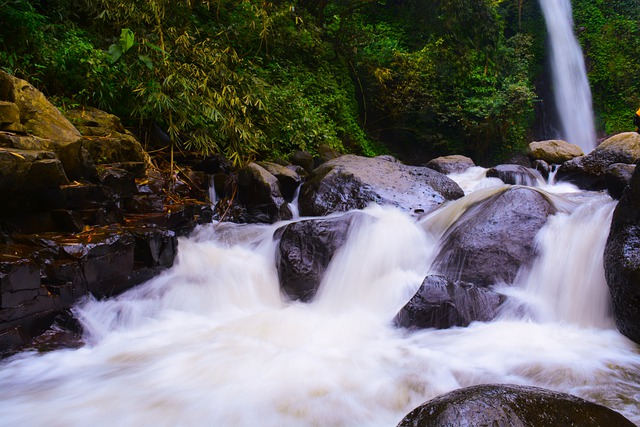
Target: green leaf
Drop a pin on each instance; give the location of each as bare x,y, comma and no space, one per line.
115,52
146,60
126,39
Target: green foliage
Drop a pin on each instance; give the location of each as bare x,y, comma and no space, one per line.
611,43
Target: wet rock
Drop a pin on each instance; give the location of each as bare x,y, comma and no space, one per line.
288,179
543,167
617,177
503,405
588,172
441,303
493,239
353,182
622,260
305,250
516,175
450,164
260,192
554,151
303,159
24,170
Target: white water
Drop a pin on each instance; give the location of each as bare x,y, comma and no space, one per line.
570,83
212,343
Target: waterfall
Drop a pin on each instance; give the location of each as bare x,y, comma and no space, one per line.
570,84
211,341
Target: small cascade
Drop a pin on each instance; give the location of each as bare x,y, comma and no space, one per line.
293,205
566,282
213,197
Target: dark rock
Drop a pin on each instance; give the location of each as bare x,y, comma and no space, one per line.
493,239
617,177
326,153
260,192
588,172
287,178
353,182
441,303
450,164
502,405
121,182
24,170
304,159
622,260
543,167
516,175
305,250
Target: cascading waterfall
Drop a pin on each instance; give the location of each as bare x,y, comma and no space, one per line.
570,84
211,341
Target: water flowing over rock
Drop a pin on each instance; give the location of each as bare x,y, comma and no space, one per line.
441,303
588,172
502,405
353,182
554,151
494,238
516,175
450,164
305,250
622,261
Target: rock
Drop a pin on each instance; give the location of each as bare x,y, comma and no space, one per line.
622,260
503,405
326,153
44,121
588,172
617,177
352,182
516,175
543,167
260,191
305,250
554,151
105,140
288,179
494,239
450,164
304,159
9,114
24,170
441,303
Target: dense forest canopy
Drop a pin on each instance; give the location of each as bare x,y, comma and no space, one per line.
257,79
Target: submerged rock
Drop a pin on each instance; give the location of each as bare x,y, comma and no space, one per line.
353,182
502,405
494,238
305,250
441,303
516,175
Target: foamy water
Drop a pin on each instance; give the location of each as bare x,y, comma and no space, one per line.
211,342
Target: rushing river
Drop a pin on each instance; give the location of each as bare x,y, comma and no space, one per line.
211,342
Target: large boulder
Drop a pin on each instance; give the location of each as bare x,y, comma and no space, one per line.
288,180
43,120
588,172
353,182
450,164
442,303
260,192
622,260
305,250
617,177
554,151
502,405
494,239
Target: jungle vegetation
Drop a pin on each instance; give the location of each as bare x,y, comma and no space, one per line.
259,79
